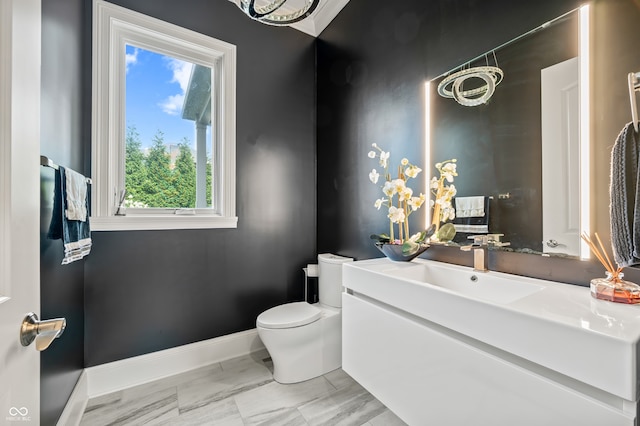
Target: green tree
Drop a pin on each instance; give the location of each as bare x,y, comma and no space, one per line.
185,177
209,201
135,168
159,188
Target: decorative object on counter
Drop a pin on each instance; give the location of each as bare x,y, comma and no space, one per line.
395,251
276,12
398,212
623,187
613,288
443,210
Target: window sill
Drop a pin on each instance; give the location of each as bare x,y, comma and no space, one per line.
153,223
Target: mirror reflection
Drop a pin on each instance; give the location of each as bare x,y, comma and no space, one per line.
518,150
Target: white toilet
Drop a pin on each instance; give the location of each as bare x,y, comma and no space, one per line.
304,340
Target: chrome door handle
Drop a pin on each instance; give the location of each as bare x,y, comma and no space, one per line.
552,243
43,332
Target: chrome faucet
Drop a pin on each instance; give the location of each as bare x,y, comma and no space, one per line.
480,246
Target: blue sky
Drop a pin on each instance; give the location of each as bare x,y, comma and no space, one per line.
155,91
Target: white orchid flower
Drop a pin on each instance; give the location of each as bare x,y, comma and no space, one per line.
447,213
416,202
374,175
441,202
449,171
450,168
404,161
396,215
399,184
434,183
372,154
405,194
379,202
412,171
452,191
384,158
389,189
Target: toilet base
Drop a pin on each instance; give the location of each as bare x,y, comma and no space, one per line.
303,353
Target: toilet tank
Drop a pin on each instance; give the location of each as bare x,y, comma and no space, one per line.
330,279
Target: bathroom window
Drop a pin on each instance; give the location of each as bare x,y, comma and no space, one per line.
163,142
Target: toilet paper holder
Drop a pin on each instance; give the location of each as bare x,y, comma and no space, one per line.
311,271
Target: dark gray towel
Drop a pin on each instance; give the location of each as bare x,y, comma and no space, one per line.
624,191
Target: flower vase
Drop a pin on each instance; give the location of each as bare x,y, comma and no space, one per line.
395,252
615,289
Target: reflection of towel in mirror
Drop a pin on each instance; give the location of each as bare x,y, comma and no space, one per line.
624,191
472,214
75,234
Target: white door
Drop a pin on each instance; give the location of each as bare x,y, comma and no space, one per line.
561,158
20,207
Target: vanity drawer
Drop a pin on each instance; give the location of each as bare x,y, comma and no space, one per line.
426,375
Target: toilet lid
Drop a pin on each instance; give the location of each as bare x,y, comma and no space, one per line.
289,315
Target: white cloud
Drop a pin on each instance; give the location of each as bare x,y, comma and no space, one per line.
181,74
131,59
173,104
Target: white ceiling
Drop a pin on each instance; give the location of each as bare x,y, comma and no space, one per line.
319,19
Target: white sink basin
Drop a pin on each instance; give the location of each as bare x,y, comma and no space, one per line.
497,288
557,326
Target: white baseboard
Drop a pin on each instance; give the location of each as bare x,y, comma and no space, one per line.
72,413
118,375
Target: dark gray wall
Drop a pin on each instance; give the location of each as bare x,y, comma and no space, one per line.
151,290
63,126
373,61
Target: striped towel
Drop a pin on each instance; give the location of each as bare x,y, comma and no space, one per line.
75,234
472,214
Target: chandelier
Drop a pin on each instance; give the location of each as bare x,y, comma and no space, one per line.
489,77
278,12
452,85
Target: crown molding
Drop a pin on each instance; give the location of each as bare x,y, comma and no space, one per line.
319,19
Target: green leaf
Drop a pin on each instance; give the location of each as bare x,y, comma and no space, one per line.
382,238
410,247
446,232
422,237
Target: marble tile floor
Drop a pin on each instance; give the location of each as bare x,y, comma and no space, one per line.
241,392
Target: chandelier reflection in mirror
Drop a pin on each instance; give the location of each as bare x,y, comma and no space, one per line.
278,12
453,85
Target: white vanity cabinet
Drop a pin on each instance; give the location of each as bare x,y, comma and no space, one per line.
430,374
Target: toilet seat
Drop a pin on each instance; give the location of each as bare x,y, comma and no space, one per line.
289,315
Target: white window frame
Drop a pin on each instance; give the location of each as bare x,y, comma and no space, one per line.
113,28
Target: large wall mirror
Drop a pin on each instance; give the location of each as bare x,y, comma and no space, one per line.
526,147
